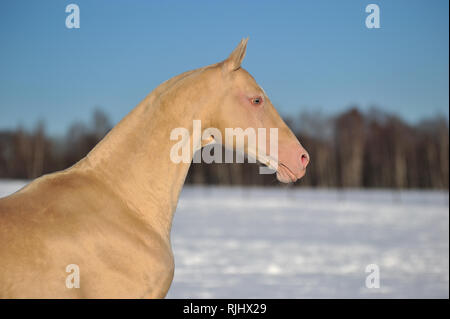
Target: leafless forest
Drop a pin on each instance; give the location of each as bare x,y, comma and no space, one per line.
352,149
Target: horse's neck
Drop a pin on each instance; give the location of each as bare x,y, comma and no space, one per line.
134,158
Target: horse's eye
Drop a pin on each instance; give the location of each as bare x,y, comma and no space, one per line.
256,101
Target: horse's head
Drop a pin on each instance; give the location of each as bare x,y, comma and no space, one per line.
242,103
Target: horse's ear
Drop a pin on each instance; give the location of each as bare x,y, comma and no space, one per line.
235,59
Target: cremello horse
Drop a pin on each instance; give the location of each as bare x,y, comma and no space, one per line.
111,213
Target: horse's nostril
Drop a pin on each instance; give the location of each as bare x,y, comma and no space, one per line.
305,160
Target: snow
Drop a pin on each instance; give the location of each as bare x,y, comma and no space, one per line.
9,186
306,243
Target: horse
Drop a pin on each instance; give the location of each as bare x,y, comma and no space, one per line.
110,214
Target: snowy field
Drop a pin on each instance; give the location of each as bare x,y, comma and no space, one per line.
304,243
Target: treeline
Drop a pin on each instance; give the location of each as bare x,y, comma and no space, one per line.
353,149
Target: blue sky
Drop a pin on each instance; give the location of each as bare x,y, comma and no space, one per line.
307,55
